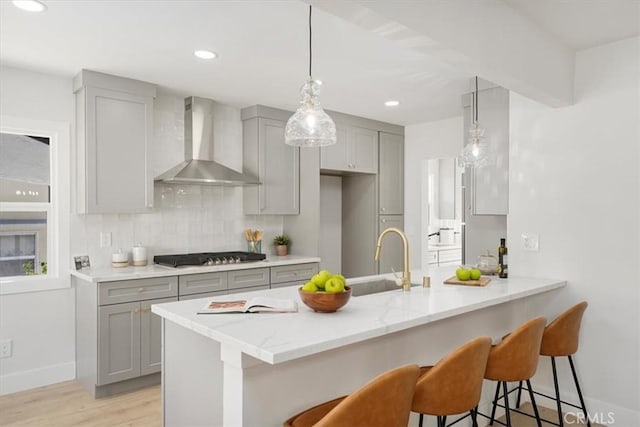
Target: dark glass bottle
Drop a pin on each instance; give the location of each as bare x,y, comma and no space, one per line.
503,264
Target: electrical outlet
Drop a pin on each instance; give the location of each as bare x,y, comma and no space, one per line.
5,348
105,239
530,242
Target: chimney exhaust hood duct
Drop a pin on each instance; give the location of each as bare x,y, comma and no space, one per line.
198,166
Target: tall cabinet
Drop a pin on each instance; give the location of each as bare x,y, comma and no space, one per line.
114,119
391,200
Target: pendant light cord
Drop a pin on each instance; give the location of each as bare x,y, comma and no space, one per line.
310,55
476,100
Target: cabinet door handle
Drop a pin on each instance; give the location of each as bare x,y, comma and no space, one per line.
384,221
140,289
136,310
382,209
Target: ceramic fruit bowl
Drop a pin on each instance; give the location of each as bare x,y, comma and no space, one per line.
325,302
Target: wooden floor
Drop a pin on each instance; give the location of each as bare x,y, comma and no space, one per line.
68,404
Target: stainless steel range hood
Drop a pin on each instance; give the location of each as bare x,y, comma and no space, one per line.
198,166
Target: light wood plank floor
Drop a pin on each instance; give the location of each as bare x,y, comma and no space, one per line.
68,404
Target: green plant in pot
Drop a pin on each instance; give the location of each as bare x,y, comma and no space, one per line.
282,243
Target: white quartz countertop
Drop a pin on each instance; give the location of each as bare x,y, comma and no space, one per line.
279,337
110,274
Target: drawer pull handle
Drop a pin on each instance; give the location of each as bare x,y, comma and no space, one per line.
140,289
136,310
145,310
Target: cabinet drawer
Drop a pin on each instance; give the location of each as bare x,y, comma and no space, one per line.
199,283
248,278
137,290
432,257
202,295
242,290
297,283
449,255
290,273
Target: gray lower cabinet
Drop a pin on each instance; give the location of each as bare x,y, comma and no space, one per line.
129,340
248,278
286,284
292,273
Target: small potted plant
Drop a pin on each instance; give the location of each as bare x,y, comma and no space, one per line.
282,243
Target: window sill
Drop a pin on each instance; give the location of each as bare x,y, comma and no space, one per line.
20,285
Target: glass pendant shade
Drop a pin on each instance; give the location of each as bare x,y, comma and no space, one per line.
476,153
310,126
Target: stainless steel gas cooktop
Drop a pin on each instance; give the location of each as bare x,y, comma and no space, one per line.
207,258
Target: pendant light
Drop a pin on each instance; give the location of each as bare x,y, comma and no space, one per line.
476,153
310,126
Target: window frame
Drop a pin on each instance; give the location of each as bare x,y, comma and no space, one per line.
57,208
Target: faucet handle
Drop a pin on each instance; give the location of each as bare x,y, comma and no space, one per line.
398,278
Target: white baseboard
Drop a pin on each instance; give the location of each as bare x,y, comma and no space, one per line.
601,412
25,380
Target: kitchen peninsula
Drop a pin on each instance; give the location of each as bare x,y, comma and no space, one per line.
259,369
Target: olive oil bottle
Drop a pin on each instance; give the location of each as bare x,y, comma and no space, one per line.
503,264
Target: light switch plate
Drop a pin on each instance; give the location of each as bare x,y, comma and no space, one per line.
530,242
105,239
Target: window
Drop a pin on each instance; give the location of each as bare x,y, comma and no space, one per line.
34,200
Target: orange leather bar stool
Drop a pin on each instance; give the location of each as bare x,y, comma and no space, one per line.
560,338
515,358
454,384
383,402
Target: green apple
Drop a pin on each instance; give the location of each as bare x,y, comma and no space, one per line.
340,277
334,286
310,287
475,274
321,278
463,274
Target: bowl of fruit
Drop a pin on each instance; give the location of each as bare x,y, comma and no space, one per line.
325,292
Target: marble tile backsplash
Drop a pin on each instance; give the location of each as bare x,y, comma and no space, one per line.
187,218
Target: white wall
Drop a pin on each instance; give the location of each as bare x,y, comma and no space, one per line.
574,181
41,324
185,218
432,140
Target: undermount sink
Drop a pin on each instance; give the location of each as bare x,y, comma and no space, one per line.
374,287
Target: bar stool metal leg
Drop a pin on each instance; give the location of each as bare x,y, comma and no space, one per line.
575,379
495,403
533,403
555,383
474,416
519,394
506,403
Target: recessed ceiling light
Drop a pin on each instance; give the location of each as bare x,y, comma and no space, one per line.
205,54
30,5
392,103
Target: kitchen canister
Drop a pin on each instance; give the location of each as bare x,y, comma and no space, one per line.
139,255
119,259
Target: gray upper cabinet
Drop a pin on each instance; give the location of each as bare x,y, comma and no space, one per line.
114,119
276,164
490,184
391,174
356,150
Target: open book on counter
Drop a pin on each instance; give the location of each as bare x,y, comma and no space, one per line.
252,305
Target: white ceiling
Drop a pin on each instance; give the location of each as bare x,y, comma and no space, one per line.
263,51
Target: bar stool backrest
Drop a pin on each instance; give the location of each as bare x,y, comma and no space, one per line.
383,402
515,358
453,385
560,337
